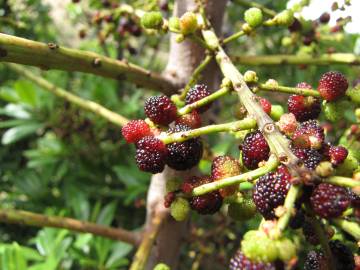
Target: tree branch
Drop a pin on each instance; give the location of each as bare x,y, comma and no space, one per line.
38,220
284,59
88,105
52,56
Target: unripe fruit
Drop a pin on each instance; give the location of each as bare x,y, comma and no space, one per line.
354,94
180,209
173,184
287,249
276,112
253,16
334,111
152,20
250,76
285,18
349,165
243,210
162,266
188,23
174,24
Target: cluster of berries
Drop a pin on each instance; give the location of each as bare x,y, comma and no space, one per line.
151,153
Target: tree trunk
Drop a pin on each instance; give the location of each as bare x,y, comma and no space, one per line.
183,59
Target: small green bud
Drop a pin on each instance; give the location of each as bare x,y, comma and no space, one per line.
354,94
179,38
357,113
174,24
349,165
272,83
250,76
242,211
179,209
173,184
285,18
161,266
253,16
276,112
334,111
152,20
246,28
287,249
188,23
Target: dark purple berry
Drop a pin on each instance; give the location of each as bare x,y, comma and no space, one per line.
254,149
196,93
160,109
150,154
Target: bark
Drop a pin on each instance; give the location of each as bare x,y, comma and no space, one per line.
183,59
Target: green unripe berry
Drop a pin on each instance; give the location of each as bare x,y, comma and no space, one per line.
335,110
287,249
188,23
179,38
173,184
324,169
161,266
250,76
276,112
174,24
152,20
286,41
349,165
242,211
253,16
179,209
354,94
285,18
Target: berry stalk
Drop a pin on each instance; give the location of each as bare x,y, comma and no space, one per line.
250,176
264,9
289,90
350,227
342,181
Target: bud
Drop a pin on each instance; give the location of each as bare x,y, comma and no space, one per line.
272,83
161,266
285,18
354,94
276,112
253,16
179,38
180,209
152,20
188,23
287,124
250,76
174,24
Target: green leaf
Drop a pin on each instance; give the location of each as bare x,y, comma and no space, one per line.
8,94
107,214
26,92
17,133
16,111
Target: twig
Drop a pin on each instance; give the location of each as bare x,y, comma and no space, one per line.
352,228
264,9
233,37
289,90
38,220
88,105
342,181
52,56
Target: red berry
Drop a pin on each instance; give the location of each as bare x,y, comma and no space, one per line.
150,154
315,260
309,135
184,155
254,149
329,201
324,18
192,119
223,167
337,154
207,204
196,93
310,157
332,85
265,104
270,192
240,262
135,130
160,109
169,198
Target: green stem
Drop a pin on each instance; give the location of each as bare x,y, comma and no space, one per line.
195,76
270,165
204,101
289,90
234,37
51,56
264,9
342,181
303,59
199,41
244,124
88,105
350,227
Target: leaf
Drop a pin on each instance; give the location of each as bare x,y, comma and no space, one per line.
119,251
17,133
107,214
26,92
16,111
8,94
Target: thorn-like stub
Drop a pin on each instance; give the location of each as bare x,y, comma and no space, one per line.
283,158
269,128
96,62
52,46
3,52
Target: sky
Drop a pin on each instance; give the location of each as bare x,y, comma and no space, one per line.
317,7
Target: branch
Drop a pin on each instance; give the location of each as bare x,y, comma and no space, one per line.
283,59
51,56
88,105
352,228
249,4
31,219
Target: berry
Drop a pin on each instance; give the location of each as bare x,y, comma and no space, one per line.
315,261
193,182
310,157
253,16
324,18
344,259
287,124
150,154
179,209
192,119
207,204
337,154
240,262
329,201
223,167
135,130
304,108
188,23
254,149
160,109
152,20
243,210
285,18
355,199
332,85
196,93
184,155
295,26
270,192
309,135
265,104
169,198
161,266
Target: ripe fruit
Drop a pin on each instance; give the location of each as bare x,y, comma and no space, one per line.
304,108
169,198
315,261
135,130
329,201
179,209
332,85
192,120
310,234
265,104
310,157
196,93
254,149
207,204
193,182
253,16
184,155
150,154
295,26
270,192
160,109
324,18
240,262
344,259
309,135
223,167
337,154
